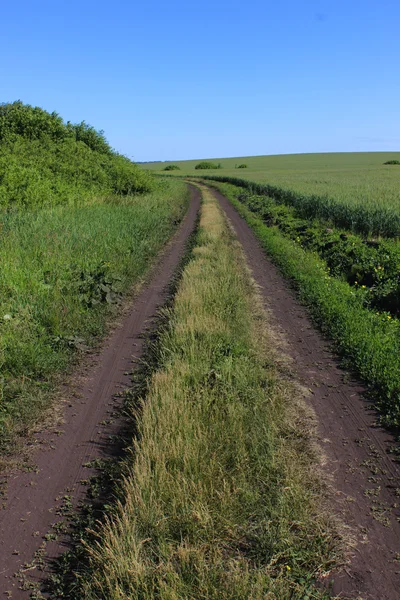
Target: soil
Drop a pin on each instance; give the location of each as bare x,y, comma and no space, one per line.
359,454
65,459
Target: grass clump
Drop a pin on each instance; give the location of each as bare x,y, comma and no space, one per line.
369,341
220,500
172,168
205,164
45,162
63,269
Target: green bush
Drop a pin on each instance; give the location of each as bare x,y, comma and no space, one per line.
45,162
207,165
243,166
392,162
172,168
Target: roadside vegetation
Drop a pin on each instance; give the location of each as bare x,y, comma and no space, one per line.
369,339
73,240
222,497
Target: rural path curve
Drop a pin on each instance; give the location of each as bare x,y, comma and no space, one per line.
365,476
35,498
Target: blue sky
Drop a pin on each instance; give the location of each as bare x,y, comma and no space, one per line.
178,80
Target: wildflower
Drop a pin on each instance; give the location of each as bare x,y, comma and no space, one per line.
363,287
288,568
7,317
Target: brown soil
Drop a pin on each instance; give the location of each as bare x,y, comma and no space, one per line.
365,476
37,498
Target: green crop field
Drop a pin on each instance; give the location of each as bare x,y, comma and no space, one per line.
356,177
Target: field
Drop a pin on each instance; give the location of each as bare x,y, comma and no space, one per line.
359,178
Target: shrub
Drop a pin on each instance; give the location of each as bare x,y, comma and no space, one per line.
207,165
44,161
392,162
243,166
172,168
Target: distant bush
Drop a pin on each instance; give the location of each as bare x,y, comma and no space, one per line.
172,168
242,166
207,165
392,162
44,161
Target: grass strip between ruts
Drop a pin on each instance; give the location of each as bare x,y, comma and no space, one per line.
222,498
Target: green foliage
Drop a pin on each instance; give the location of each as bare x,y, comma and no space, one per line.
63,269
369,341
242,166
172,168
366,220
392,162
207,165
44,162
372,265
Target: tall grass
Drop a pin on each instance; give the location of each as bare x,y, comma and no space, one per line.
220,496
368,219
62,269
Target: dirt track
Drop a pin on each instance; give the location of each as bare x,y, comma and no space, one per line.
366,477
34,498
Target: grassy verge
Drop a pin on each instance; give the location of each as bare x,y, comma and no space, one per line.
62,270
221,499
370,342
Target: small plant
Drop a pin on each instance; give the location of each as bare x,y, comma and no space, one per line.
243,166
97,287
172,168
392,162
208,165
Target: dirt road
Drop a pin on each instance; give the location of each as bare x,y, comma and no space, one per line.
366,476
36,498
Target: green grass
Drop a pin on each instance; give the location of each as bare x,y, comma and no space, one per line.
221,497
369,341
354,190
62,270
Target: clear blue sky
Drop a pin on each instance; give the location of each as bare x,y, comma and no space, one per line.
180,79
